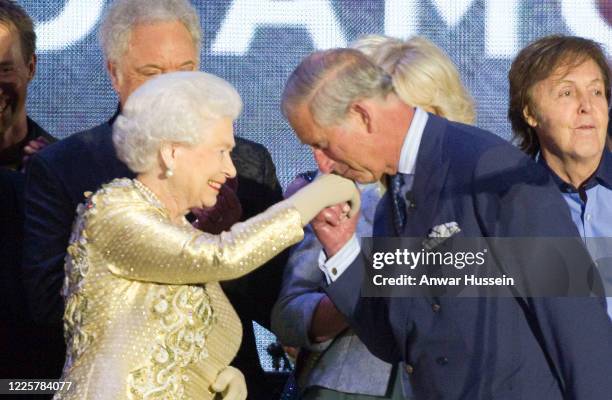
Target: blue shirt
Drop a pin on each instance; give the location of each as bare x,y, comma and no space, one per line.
591,210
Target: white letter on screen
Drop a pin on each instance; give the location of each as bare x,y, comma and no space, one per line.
583,19
501,33
245,16
452,10
401,19
76,21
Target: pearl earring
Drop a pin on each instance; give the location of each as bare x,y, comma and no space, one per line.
169,173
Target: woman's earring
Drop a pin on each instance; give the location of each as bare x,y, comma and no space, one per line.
169,173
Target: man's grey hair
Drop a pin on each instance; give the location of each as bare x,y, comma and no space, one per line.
123,15
330,81
177,107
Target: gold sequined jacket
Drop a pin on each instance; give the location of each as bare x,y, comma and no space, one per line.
145,317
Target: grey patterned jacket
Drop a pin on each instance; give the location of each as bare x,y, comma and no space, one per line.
345,364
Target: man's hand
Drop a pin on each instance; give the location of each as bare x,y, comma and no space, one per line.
222,215
33,147
292,352
325,191
333,227
230,384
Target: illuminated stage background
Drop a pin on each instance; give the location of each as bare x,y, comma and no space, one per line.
255,44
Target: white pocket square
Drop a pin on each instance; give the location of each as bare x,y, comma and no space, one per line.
440,233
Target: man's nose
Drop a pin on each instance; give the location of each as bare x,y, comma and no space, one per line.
584,102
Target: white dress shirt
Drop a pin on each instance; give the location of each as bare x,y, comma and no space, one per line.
334,266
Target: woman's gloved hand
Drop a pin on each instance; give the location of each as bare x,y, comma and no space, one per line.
230,384
325,191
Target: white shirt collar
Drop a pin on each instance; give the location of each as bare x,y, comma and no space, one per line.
412,142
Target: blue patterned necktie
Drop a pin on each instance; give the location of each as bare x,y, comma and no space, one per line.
399,205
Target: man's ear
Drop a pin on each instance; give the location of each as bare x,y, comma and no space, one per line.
529,117
31,67
114,74
363,112
325,164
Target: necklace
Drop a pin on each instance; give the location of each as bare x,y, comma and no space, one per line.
148,193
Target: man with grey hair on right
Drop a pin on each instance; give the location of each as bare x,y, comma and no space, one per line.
446,179
333,363
141,39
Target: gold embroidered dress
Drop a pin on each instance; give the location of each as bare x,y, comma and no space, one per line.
145,316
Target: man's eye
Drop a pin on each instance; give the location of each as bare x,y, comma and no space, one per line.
150,72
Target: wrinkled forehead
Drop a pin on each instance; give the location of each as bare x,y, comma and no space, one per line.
218,132
562,69
8,33
569,62
160,40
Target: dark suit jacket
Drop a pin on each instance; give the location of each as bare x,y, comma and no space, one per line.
483,348
26,348
14,160
58,176
15,314
11,236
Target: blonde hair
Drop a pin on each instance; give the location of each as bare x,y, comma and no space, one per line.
423,75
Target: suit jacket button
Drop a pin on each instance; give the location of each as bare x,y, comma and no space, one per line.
435,307
442,360
409,369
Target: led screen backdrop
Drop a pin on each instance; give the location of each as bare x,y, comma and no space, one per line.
255,44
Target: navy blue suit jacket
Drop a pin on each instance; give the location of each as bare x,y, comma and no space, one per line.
58,176
483,348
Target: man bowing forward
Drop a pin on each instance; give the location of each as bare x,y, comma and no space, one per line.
460,177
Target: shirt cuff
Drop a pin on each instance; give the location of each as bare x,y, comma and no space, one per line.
334,267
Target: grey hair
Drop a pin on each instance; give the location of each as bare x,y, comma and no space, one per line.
423,75
123,15
177,107
330,81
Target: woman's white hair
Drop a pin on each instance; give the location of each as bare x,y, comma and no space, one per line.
123,15
178,107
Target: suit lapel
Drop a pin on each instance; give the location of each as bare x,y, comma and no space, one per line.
430,176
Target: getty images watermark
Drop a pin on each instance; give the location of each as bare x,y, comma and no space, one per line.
483,267
423,258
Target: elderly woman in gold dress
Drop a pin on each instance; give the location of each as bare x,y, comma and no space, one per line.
145,316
